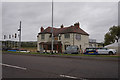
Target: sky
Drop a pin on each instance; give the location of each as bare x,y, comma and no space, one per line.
94,17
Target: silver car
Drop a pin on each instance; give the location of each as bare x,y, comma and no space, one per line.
72,50
106,51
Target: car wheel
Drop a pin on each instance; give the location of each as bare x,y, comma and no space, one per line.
111,53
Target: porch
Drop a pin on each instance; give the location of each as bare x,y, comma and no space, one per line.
46,47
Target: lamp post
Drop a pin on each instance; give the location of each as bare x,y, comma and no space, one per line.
52,28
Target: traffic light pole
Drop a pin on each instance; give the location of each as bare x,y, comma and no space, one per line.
20,37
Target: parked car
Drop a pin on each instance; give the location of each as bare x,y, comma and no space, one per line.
17,50
23,51
12,50
72,50
99,51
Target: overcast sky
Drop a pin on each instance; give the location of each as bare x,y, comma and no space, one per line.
95,17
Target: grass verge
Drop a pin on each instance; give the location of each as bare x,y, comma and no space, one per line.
64,54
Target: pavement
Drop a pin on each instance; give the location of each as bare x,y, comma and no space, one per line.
33,66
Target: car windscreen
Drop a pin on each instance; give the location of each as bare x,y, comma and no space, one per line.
90,49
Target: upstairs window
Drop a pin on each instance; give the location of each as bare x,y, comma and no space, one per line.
42,36
78,37
67,35
59,37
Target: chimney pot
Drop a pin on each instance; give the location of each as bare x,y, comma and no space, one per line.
62,26
42,29
76,24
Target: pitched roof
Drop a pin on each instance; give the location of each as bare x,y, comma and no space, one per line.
71,29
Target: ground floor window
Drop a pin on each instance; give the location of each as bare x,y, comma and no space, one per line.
41,47
49,47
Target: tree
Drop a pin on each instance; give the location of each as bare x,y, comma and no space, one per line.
113,35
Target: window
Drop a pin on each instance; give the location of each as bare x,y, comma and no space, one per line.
50,36
78,37
41,46
67,35
42,36
59,37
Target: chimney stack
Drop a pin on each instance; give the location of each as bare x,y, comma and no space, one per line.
62,26
76,24
42,29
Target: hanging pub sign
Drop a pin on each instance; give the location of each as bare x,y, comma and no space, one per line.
56,38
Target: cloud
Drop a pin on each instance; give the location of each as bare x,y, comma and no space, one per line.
95,17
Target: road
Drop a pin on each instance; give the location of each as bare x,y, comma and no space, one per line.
22,66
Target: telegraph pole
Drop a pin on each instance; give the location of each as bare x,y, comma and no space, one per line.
19,36
52,28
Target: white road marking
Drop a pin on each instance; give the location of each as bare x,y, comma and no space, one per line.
68,76
13,66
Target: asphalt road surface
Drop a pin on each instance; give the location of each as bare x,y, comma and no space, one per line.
22,66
